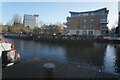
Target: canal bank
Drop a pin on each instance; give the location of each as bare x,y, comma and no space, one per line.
66,39
18,36
62,39
34,69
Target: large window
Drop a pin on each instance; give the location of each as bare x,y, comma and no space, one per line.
77,32
102,12
103,20
90,32
104,27
84,32
73,15
85,14
91,20
92,13
85,20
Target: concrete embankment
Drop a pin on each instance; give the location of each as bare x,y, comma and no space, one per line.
34,69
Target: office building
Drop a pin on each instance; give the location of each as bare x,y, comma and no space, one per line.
30,21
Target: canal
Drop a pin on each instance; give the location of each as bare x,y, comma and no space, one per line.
101,56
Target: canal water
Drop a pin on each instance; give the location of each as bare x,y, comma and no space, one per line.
101,56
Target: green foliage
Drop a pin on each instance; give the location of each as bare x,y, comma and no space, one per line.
52,28
4,29
27,30
19,29
36,30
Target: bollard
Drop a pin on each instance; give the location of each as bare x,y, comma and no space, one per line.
48,70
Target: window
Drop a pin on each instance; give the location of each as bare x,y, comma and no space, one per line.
78,27
90,32
77,32
90,26
84,32
91,20
102,12
103,20
73,15
84,27
104,27
92,13
85,20
85,14
79,14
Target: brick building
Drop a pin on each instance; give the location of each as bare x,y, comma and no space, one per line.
88,23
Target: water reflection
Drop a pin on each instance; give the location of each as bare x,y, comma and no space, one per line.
117,60
31,49
104,57
92,55
109,58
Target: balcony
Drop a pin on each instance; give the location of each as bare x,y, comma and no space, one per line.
104,21
66,24
104,28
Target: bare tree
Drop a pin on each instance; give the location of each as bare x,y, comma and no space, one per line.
59,27
41,23
16,19
1,23
9,23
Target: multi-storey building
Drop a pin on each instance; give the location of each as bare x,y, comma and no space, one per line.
88,23
30,21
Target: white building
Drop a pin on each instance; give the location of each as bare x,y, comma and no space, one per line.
30,21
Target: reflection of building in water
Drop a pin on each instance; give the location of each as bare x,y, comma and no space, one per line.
118,59
91,55
109,59
118,47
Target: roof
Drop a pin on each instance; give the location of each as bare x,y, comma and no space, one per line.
31,15
88,11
